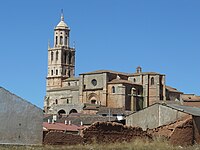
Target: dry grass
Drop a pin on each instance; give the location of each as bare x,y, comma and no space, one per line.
157,144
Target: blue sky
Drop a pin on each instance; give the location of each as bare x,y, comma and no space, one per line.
160,36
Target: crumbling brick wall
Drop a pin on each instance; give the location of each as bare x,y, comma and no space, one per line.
61,138
108,132
178,133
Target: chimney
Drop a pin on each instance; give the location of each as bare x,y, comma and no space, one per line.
66,122
49,121
55,118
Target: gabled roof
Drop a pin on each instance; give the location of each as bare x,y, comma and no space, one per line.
105,71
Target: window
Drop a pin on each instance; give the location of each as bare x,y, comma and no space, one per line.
68,83
134,80
57,55
56,40
51,56
65,40
65,57
67,101
56,72
152,80
93,101
61,40
113,89
69,73
56,101
94,82
70,58
51,72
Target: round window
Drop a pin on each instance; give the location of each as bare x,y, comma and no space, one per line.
94,82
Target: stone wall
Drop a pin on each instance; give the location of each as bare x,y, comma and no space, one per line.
21,122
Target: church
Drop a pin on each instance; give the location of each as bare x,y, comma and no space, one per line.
67,94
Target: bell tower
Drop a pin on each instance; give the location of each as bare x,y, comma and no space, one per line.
61,58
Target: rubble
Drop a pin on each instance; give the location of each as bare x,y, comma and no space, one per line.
178,133
108,132
61,138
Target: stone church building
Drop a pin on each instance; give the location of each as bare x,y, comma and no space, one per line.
66,93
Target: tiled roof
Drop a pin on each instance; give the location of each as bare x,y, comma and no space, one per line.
190,97
144,73
61,126
195,111
120,81
106,110
105,71
171,89
86,119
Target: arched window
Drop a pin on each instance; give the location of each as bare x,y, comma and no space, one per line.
93,101
56,72
51,56
113,89
65,72
57,55
73,111
60,112
65,58
56,40
70,58
152,80
61,40
51,72
65,40
56,101
134,80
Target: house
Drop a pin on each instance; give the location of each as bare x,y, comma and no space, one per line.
21,121
161,114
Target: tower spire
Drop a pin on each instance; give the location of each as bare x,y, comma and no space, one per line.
62,15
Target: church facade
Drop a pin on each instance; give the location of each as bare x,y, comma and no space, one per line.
66,93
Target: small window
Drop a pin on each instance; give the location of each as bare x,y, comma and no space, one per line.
56,101
94,82
113,89
93,101
56,40
68,83
57,55
56,72
134,80
67,101
61,40
51,72
51,56
152,80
